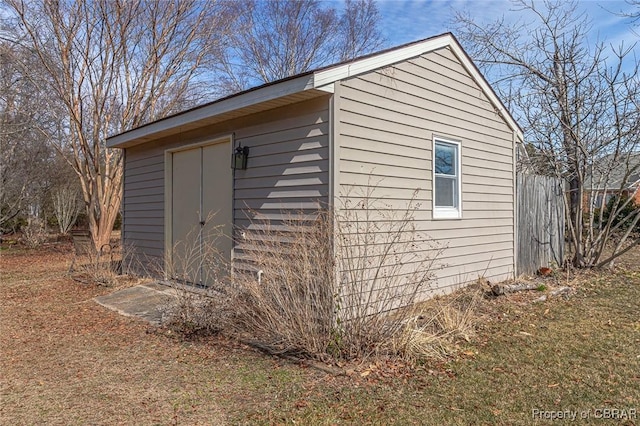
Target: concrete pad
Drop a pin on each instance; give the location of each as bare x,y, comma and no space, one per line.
142,301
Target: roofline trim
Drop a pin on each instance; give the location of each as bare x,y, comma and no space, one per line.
232,103
359,66
321,80
366,64
484,85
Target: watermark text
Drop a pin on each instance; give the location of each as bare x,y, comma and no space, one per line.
596,413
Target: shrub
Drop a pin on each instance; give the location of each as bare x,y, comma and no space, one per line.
321,284
199,273
288,302
192,313
327,284
66,206
34,233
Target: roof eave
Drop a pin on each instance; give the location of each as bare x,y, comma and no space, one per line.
200,114
318,82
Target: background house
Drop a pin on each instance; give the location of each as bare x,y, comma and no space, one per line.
610,176
416,117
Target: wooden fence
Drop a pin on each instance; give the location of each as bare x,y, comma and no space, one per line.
540,222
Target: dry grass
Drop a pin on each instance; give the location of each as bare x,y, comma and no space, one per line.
103,268
66,360
438,325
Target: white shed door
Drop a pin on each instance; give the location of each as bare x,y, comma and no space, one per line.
201,213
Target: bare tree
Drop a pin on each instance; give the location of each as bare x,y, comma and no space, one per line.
578,105
633,14
280,38
24,150
359,31
12,191
115,65
65,194
66,205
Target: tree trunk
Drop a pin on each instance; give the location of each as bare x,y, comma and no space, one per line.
102,226
575,216
104,207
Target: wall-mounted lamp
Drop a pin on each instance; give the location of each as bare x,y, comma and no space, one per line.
239,159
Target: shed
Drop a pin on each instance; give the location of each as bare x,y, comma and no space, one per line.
386,118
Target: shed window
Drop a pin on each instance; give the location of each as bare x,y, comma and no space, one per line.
446,179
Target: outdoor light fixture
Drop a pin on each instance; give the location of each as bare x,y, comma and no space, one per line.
240,156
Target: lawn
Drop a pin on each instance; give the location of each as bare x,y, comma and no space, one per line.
66,360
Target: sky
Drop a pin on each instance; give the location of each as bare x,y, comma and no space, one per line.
404,21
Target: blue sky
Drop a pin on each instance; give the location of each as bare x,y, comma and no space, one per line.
405,21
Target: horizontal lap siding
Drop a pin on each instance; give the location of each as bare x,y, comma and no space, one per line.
143,210
387,120
288,163
287,170
287,175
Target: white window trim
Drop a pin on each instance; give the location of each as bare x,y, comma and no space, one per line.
446,212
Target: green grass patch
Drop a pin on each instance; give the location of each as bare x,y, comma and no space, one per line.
580,355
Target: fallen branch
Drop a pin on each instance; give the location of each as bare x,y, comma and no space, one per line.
500,289
284,354
553,293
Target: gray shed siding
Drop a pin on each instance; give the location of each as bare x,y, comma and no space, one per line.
288,170
385,124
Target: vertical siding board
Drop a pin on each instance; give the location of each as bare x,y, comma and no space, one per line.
403,104
540,225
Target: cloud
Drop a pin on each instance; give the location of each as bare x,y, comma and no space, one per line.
405,21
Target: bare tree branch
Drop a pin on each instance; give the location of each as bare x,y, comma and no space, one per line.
280,38
115,65
577,103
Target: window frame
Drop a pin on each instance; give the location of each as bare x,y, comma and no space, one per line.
445,212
